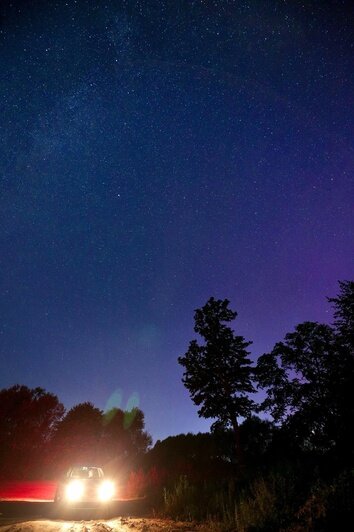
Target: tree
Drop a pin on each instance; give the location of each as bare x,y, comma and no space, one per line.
344,314
309,380
77,437
344,371
257,438
112,439
139,439
218,373
28,420
201,456
123,435
298,376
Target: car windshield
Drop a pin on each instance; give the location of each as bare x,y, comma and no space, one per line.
85,472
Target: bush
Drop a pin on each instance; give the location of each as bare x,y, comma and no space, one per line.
257,509
328,507
289,500
267,504
180,502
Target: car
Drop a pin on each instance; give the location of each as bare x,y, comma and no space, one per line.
84,486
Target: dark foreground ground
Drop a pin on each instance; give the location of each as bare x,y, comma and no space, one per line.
28,507
124,517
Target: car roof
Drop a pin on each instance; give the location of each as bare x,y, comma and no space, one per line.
77,469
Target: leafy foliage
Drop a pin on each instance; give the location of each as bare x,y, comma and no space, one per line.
218,373
28,420
123,437
344,313
87,435
37,437
309,380
76,440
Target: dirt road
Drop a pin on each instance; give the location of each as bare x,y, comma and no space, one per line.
121,524
28,507
37,517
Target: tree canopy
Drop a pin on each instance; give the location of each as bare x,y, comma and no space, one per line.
309,379
218,372
37,436
29,418
77,437
344,314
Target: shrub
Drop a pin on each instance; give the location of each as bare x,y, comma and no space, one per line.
328,506
180,501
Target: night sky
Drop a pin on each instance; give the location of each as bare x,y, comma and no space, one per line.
157,153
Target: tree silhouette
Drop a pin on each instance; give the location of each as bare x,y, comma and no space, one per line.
28,419
139,439
77,437
344,371
112,439
344,314
123,436
218,373
309,380
37,437
298,376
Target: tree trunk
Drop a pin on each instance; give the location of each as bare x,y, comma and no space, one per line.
238,447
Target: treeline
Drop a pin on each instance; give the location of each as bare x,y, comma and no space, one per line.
307,380
39,439
291,472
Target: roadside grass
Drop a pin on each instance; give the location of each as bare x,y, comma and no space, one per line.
274,503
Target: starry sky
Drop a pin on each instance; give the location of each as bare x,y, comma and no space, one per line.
157,153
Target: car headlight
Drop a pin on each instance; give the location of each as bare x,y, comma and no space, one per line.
106,491
74,490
